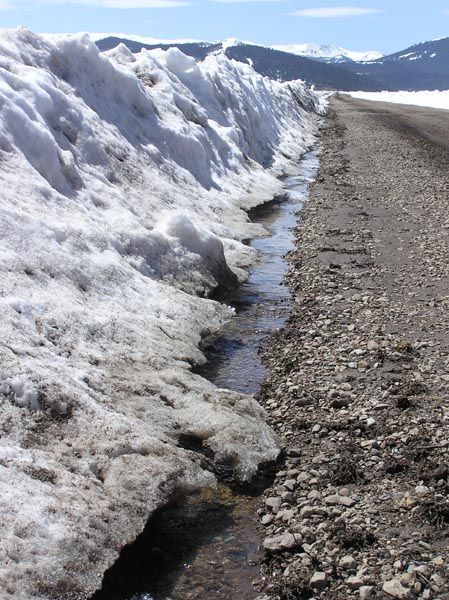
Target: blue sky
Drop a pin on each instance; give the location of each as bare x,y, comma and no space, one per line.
386,25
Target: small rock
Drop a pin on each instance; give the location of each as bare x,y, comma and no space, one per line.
438,580
303,477
274,503
319,580
372,345
290,484
272,544
307,512
279,543
346,501
347,563
355,582
290,541
286,515
366,591
332,500
340,403
395,589
267,519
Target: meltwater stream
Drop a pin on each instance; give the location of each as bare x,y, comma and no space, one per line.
207,546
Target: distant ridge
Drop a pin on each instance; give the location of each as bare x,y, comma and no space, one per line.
276,64
331,54
424,66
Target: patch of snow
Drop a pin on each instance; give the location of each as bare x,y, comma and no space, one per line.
230,43
433,99
320,51
124,183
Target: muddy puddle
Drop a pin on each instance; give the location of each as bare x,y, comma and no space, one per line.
207,546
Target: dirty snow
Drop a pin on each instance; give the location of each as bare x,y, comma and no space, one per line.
124,181
433,99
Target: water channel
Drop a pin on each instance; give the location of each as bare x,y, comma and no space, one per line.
207,546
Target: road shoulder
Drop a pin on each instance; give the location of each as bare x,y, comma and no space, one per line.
360,377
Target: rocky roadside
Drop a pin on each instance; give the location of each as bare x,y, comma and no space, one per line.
359,386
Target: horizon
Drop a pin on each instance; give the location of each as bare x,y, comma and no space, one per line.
360,26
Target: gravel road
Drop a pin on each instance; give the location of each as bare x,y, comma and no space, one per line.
359,390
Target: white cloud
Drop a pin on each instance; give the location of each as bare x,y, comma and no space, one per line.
335,12
121,4
243,1
129,3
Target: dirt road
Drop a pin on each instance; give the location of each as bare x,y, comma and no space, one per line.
360,378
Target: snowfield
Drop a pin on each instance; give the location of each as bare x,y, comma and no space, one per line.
433,99
329,51
124,181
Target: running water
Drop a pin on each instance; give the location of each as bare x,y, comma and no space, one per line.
262,304
207,546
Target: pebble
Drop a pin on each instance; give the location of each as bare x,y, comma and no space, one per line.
290,484
274,503
347,563
319,580
355,582
279,543
395,589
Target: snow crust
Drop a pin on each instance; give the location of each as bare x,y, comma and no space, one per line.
433,99
124,182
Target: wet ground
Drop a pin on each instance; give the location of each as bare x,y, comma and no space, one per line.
208,545
262,303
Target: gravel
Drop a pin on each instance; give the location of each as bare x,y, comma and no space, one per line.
359,385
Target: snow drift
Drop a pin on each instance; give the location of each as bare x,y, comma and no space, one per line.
124,182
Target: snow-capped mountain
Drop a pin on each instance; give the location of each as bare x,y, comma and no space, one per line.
328,53
276,64
423,66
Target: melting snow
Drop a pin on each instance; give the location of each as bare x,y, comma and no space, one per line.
434,99
124,183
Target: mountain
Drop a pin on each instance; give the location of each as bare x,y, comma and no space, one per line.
424,66
273,63
286,66
326,53
330,54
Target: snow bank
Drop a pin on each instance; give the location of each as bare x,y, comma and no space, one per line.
124,182
435,99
